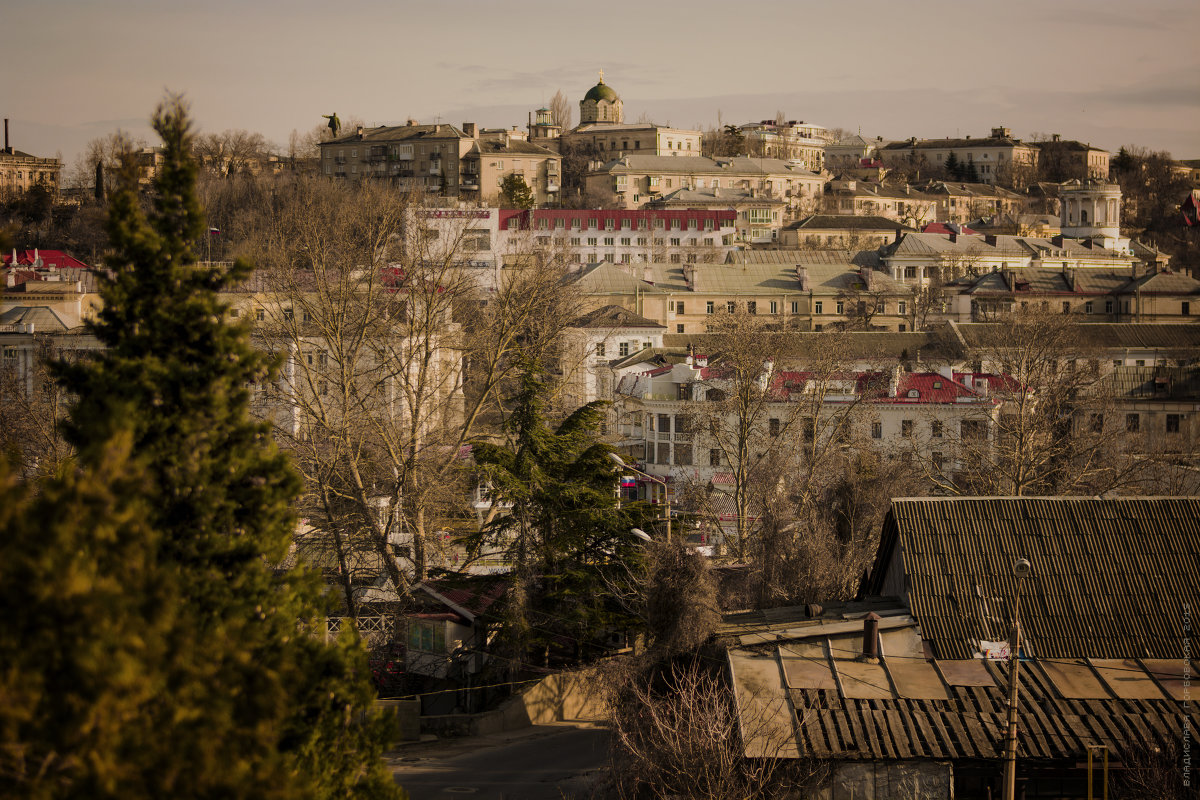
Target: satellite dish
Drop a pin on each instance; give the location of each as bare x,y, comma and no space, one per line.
1022,569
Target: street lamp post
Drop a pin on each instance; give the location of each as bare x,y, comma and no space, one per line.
666,498
1021,570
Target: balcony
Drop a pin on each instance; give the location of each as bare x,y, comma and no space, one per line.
551,187
435,167
469,183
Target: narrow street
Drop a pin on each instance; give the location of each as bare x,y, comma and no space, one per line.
545,762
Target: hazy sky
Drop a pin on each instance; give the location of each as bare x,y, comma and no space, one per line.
1107,72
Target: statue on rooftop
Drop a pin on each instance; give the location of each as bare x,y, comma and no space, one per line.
335,124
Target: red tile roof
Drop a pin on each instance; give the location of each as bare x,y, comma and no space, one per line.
50,258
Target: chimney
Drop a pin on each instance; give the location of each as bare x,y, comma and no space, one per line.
648,274
7,148
802,277
897,235
359,132
469,129
893,389
716,191
1069,277
990,238
870,652
410,122
867,275
953,236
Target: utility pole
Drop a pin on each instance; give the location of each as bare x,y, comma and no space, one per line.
1021,570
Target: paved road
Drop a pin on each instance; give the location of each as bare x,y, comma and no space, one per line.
546,762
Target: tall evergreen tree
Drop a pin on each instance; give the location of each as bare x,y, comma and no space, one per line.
237,699
563,531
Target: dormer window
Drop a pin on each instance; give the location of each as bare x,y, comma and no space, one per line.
913,394
937,384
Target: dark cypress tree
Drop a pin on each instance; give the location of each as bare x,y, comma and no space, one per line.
953,167
251,704
98,189
569,541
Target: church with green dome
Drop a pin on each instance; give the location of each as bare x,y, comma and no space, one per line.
600,104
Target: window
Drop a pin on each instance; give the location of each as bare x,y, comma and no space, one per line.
260,314
751,307
731,306
679,307
910,272
679,328
935,429
1185,309
623,349
876,430
234,312
1108,306
938,461
906,428
841,307
1097,423
1088,307
609,241
592,241
429,637
1066,306
714,458
901,307
774,307
709,307
1133,422
795,306
674,242
818,307
773,426
1172,423
600,350
973,430
810,429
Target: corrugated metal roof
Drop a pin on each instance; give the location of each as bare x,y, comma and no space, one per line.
1110,577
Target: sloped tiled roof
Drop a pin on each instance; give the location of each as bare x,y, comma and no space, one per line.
613,316
1167,336
847,222
1110,576
43,319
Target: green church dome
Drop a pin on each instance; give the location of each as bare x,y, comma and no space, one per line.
601,91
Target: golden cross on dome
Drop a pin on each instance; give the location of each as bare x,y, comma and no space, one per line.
602,76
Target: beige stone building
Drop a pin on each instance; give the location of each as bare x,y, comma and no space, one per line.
20,172
466,164
797,141
635,180
1072,159
904,204
993,157
799,290
604,133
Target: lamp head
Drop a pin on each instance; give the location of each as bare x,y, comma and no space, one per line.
616,459
641,534
1022,568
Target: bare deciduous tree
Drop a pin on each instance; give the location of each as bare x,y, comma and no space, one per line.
561,113
678,732
395,355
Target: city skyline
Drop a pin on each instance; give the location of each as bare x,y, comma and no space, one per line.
1100,72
